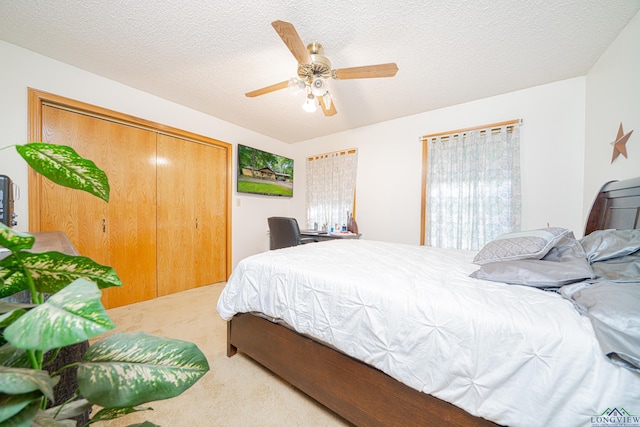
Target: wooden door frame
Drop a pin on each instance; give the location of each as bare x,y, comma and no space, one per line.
36,100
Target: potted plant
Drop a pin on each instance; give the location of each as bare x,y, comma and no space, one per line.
117,373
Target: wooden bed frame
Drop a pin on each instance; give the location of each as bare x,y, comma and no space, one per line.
617,205
362,394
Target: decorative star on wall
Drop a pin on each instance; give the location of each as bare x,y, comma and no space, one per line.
619,145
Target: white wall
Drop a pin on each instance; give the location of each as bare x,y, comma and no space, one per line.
390,153
566,147
613,97
560,173
22,69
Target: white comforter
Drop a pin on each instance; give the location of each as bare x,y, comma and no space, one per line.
515,355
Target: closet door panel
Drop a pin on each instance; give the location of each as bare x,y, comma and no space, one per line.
210,203
120,233
132,214
191,214
79,214
176,215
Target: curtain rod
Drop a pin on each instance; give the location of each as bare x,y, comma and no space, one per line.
483,127
342,152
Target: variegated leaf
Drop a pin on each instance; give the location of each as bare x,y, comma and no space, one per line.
43,419
62,165
113,413
9,317
52,271
63,412
21,381
12,282
72,315
19,409
142,367
15,240
11,356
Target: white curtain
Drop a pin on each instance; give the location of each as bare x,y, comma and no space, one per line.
473,187
331,183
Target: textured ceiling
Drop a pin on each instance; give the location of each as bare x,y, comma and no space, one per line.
208,54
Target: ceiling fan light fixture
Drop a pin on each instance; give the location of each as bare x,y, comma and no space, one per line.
314,72
326,99
310,104
319,86
295,85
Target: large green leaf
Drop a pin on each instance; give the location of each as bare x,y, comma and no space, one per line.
62,165
126,370
11,356
106,414
12,281
21,381
15,240
9,317
19,410
52,271
44,419
61,415
144,424
73,315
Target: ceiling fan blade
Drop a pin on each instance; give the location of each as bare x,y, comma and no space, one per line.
366,72
268,89
331,111
290,37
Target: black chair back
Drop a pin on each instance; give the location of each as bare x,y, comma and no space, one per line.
283,232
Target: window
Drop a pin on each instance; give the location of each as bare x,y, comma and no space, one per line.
331,184
471,188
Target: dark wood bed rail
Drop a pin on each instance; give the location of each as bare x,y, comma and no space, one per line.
364,395
359,393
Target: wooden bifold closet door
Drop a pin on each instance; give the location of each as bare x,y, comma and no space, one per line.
165,228
121,233
191,214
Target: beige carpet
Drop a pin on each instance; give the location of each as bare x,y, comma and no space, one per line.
235,392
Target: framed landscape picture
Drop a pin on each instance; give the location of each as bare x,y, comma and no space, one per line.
261,172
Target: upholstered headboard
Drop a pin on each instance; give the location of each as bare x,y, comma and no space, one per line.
617,205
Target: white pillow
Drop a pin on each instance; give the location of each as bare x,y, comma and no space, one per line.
534,244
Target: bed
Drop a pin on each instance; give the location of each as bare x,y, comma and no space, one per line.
463,351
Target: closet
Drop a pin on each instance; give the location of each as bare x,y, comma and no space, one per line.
191,215
166,227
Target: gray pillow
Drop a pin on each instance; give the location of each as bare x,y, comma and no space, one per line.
602,245
565,263
533,244
613,311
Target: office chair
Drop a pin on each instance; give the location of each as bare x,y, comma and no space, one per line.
285,232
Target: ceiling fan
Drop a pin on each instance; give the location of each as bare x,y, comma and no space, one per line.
314,70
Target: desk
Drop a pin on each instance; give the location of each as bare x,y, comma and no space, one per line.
323,237
53,241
